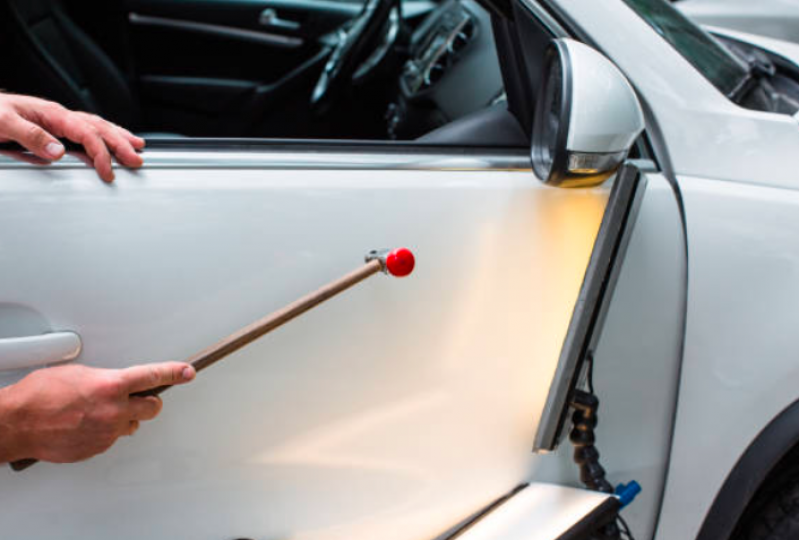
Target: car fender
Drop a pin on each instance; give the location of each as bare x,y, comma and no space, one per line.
739,367
750,472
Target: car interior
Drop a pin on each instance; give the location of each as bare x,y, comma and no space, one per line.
378,70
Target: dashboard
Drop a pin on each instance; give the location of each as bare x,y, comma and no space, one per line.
452,70
439,49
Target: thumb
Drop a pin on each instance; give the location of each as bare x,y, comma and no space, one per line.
149,376
34,138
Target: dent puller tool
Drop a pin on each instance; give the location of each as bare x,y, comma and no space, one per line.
398,263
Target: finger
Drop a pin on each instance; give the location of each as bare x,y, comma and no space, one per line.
34,138
98,152
77,128
119,144
144,408
137,142
148,376
132,428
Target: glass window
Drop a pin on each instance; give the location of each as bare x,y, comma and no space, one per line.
717,64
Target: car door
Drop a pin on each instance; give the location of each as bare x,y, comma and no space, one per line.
395,410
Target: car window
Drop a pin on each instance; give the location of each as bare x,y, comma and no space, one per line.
245,69
707,55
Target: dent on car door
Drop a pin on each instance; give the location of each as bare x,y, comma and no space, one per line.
395,411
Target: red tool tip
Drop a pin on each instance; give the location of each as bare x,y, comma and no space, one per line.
400,262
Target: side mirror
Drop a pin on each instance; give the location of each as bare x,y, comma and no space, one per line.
586,120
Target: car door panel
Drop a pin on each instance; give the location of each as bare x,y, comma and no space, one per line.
199,50
185,47
396,410
306,19
312,17
227,107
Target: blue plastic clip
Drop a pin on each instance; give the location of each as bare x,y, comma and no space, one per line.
628,492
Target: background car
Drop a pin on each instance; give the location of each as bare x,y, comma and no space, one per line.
777,19
410,409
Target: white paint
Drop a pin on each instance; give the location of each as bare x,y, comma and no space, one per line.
740,367
538,512
358,420
385,453
739,364
33,351
706,134
605,114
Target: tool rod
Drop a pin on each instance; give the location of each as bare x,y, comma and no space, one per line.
398,263
232,343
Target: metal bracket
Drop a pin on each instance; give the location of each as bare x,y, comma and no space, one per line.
380,256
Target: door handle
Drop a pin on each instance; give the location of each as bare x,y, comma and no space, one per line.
270,18
32,351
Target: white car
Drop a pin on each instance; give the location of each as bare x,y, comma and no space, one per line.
778,19
602,202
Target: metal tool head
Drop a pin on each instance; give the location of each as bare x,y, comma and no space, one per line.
398,262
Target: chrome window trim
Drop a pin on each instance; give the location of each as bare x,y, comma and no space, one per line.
267,38
309,159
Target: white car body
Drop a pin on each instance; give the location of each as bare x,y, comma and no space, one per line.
379,415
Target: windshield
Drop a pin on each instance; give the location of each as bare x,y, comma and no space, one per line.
707,55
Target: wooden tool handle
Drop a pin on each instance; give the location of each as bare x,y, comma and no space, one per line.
250,333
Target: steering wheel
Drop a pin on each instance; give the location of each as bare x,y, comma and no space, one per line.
354,45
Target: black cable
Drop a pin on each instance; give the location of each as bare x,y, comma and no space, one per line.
625,528
592,474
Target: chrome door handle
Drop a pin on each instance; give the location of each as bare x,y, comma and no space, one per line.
33,351
269,17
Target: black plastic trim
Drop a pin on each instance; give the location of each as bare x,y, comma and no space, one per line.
515,78
499,8
662,160
556,174
772,444
593,521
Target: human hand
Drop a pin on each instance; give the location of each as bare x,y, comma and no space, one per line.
70,413
35,123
